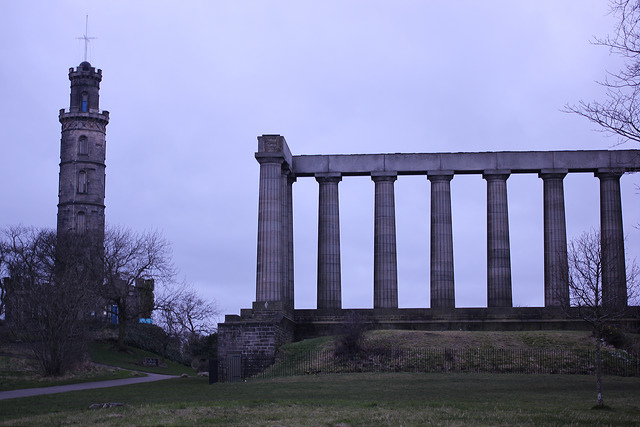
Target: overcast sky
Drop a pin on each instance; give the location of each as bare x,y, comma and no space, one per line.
191,84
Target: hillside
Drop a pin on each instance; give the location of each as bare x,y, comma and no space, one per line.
400,339
568,352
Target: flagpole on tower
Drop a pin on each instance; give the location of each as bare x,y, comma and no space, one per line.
86,37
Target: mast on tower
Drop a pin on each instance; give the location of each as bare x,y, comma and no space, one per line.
86,37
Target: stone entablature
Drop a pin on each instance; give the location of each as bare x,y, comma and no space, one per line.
468,163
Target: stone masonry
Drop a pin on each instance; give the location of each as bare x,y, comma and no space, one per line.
273,320
82,156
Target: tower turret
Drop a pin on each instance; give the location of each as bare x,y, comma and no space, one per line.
82,156
85,88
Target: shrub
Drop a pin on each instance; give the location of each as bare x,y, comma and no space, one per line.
349,341
614,336
152,338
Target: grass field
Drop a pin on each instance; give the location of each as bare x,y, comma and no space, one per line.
371,399
344,400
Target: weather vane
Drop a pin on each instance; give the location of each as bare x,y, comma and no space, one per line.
86,37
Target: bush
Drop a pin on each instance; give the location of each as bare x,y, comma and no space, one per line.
200,349
615,337
152,338
349,341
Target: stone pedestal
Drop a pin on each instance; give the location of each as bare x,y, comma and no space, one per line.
254,337
385,263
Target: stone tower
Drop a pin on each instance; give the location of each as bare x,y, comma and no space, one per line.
82,156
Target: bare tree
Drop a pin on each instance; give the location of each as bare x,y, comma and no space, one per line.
187,317
3,277
588,301
49,293
195,315
135,264
619,114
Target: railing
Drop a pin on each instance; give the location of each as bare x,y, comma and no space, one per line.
517,361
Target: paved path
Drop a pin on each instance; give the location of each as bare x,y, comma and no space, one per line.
26,392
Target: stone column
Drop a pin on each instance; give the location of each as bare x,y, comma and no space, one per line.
614,281
329,280
442,283
287,237
385,263
270,225
289,282
556,275
498,250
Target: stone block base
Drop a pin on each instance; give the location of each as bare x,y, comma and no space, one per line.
247,344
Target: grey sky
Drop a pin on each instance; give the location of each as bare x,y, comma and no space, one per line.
190,85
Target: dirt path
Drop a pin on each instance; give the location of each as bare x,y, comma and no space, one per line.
26,392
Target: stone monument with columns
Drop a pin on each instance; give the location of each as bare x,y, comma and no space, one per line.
256,333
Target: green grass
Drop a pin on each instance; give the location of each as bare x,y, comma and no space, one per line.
560,340
18,369
313,344
345,400
104,353
522,340
20,380
556,352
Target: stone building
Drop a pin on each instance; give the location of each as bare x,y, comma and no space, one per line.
82,156
81,193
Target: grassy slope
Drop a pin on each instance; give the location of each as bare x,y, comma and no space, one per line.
18,369
458,340
470,351
464,340
13,378
104,353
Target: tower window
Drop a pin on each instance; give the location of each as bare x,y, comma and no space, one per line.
82,182
85,99
83,145
81,224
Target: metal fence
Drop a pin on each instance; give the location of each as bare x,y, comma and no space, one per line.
517,361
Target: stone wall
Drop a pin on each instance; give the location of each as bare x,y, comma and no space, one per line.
255,335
